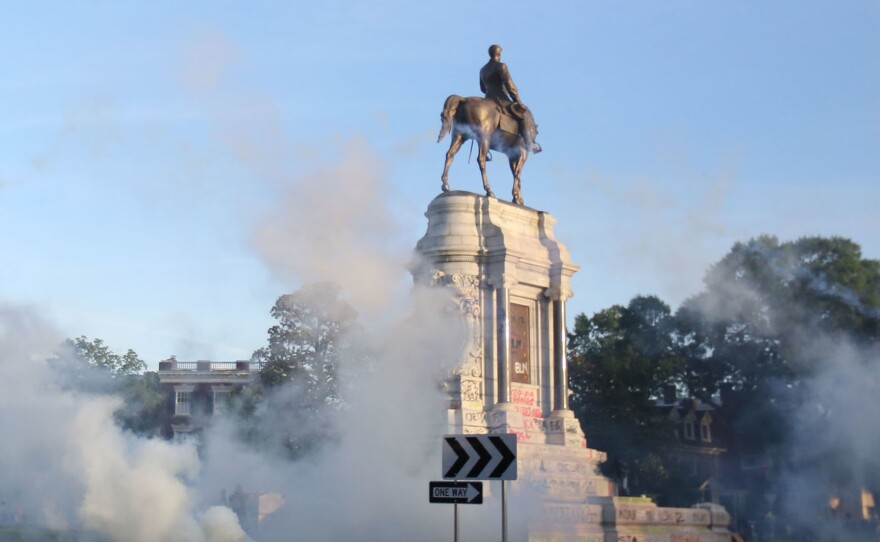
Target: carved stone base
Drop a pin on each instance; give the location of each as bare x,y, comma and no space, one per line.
564,429
505,419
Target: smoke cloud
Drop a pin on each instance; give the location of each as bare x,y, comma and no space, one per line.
66,464
371,484
830,404
70,467
335,224
833,448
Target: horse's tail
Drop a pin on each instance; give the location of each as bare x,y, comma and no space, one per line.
446,115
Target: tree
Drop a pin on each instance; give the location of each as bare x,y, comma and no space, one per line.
300,374
766,302
90,365
143,406
622,360
755,329
313,332
767,331
98,355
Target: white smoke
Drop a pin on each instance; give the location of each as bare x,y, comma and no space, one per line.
830,401
74,469
336,224
833,448
67,465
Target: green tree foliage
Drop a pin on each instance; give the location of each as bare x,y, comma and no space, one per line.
143,406
300,374
98,355
313,332
759,331
770,321
758,326
773,299
622,359
91,366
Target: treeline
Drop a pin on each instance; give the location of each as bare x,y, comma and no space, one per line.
774,325
91,366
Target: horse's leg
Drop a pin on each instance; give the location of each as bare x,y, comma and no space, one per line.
481,160
457,140
516,166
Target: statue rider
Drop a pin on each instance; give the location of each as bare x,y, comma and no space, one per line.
497,85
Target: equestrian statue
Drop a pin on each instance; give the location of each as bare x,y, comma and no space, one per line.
498,122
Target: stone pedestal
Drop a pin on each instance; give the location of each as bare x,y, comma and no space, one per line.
511,279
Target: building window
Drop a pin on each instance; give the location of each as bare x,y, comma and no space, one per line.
184,403
705,433
182,432
689,430
221,401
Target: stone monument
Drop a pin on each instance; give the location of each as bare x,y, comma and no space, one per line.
511,279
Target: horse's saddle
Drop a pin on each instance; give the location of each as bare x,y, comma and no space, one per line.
508,123
510,119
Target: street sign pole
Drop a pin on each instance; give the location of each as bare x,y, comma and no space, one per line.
455,507
503,511
479,457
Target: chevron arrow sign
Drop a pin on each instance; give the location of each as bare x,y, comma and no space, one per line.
479,457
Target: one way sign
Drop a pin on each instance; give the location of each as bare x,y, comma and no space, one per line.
479,457
456,492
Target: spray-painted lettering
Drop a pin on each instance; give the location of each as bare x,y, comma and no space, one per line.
471,392
519,396
626,514
701,517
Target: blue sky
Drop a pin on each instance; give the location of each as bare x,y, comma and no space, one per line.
147,148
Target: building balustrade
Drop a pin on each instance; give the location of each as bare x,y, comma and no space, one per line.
172,365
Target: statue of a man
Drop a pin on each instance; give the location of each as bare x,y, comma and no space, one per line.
497,85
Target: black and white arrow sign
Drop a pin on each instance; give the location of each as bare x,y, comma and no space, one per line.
479,457
456,492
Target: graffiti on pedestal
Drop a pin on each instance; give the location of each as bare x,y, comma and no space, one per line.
520,348
475,417
525,401
572,514
471,391
569,486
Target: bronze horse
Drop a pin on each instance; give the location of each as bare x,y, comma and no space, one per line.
480,119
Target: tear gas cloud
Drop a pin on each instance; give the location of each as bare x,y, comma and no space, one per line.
833,449
70,467
66,465
371,484
333,224
830,408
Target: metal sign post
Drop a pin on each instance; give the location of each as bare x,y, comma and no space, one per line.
455,493
479,457
503,511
